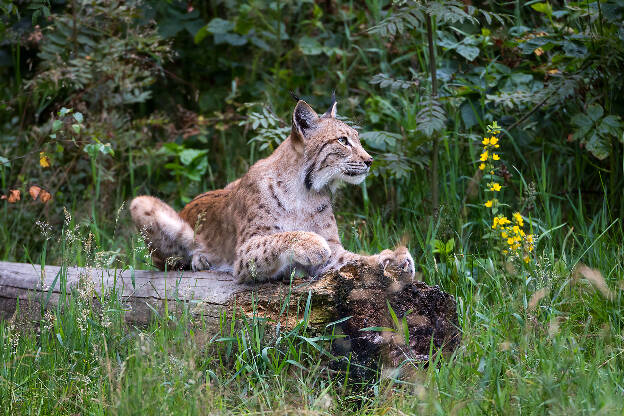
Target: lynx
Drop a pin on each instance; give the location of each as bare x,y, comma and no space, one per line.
275,219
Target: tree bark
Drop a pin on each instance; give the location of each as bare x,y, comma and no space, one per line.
357,295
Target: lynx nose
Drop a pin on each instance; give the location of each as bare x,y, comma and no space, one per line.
368,161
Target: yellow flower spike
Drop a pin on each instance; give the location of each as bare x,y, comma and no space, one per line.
493,141
482,166
484,156
485,141
518,219
495,156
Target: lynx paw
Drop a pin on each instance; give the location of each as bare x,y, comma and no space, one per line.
400,259
311,250
200,261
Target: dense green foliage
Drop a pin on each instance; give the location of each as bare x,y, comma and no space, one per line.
171,99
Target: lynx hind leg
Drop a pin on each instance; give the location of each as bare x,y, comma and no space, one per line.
171,239
270,256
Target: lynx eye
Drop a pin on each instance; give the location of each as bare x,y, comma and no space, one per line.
343,141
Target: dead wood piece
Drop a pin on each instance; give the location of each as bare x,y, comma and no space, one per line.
359,296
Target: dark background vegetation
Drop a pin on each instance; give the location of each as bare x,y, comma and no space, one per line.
182,97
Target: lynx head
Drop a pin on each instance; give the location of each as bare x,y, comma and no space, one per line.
331,150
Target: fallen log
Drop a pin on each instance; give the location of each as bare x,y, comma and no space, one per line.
359,299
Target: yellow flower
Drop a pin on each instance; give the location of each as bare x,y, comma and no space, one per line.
484,156
482,166
527,259
504,234
510,241
495,187
518,219
495,156
489,204
495,223
44,160
493,141
516,229
485,141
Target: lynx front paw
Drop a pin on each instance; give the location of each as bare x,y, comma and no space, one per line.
310,249
200,261
400,259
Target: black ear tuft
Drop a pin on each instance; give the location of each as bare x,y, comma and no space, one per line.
294,96
304,118
331,112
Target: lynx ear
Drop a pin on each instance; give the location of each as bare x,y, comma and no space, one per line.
304,120
331,113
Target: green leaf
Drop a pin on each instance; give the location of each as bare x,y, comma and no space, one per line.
610,125
56,125
78,117
574,50
380,140
468,52
545,8
219,26
201,34
450,246
310,46
64,111
584,124
188,155
595,111
76,128
393,315
230,38
599,146
469,117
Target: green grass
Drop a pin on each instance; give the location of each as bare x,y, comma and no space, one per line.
536,339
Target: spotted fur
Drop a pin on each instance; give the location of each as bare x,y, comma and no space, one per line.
277,218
